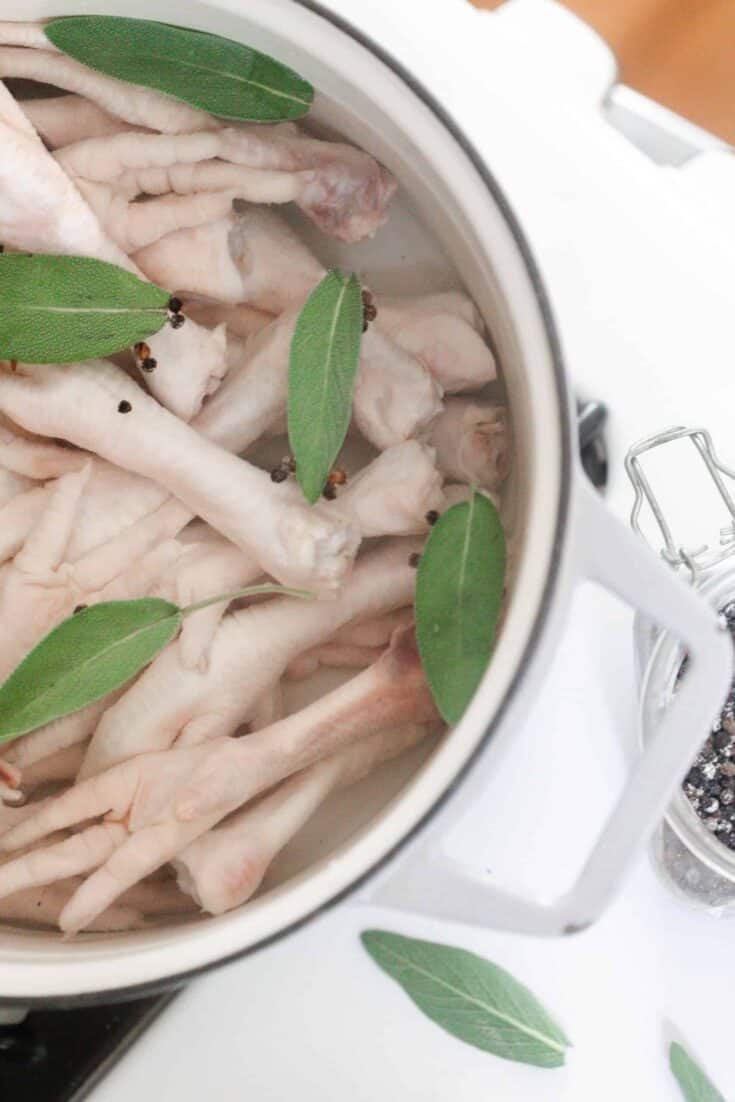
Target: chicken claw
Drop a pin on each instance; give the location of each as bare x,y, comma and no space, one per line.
159,803
120,858
225,867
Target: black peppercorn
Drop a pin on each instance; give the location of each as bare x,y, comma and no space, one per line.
124,407
414,559
695,777
175,304
710,783
369,310
279,475
177,320
329,492
149,364
721,740
432,517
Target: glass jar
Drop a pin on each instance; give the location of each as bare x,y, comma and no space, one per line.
691,859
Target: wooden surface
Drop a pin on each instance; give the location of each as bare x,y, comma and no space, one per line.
679,52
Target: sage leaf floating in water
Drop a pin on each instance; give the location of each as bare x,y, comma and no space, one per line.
695,1086
83,659
94,652
459,590
60,309
325,351
204,70
471,998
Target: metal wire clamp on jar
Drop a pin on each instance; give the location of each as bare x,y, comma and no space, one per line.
692,860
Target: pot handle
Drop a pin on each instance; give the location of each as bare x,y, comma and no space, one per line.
432,883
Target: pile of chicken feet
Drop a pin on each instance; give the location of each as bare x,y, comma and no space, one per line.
125,479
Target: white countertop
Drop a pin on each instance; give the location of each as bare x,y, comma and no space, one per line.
313,1018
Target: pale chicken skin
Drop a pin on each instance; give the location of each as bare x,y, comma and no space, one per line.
298,545
342,189
252,648
41,210
156,805
144,475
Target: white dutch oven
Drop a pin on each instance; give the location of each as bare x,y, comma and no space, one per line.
563,532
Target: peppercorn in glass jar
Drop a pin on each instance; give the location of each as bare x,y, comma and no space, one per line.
694,846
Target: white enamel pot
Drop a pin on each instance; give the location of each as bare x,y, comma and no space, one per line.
563,535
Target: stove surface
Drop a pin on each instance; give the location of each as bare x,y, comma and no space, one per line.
63,1054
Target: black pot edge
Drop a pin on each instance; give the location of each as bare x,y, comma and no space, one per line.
123,994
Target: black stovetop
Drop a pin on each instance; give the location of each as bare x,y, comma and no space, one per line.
60,1055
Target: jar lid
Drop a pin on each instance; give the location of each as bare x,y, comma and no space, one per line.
697,559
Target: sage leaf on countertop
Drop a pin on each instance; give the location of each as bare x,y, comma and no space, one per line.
225,78
325,351
93,652
471,998
459,589
695,1086
59,309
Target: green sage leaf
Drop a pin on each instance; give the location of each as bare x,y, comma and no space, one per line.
471,998
325,351
459,590
214,74
58,309
266,589
695,1086
84,658
96,651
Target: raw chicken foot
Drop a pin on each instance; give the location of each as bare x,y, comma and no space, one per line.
63,120
39,588
394,398
226,866
157,804
251,650
340,188
472,441
391,496
42,211
298,545
136,105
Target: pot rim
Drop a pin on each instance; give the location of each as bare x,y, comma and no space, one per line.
566,474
